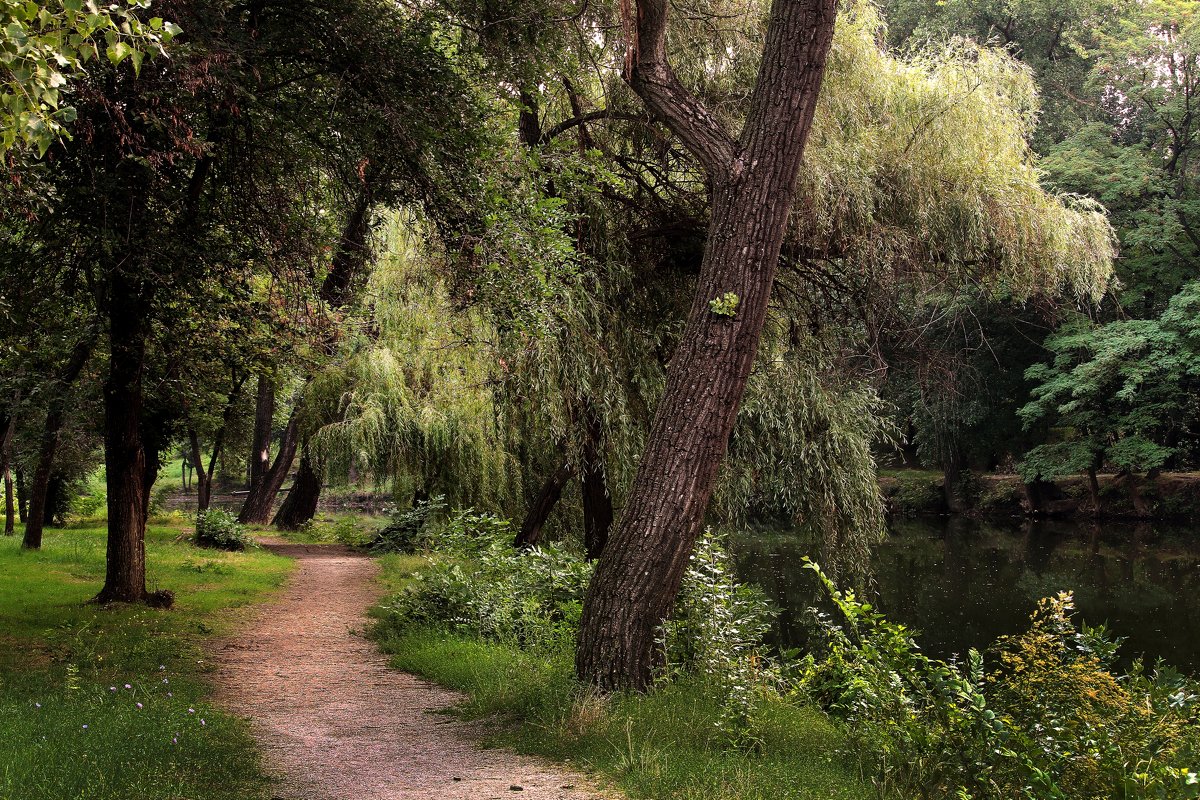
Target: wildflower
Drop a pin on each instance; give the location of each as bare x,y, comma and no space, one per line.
112,688
85,727
175,739
37,705
165,680
170,694
201,722
127,686
139,705
161,667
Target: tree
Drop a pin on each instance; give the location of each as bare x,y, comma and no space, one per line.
753,181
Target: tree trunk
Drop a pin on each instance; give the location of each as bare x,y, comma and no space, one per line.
203,478
256,509
300,505
1094,490
539,510
952,484
264,417
22,497
597,503
124,449
1133,486
10,527
55,417
753,187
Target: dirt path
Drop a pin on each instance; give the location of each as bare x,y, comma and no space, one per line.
337,724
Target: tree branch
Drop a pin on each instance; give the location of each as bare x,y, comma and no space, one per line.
648,73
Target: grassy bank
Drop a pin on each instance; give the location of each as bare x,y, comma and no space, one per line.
661,745
113,703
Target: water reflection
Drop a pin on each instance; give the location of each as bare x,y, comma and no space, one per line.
962,583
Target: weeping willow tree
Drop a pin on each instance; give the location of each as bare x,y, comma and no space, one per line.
413,395
918,184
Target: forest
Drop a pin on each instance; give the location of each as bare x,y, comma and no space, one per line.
726,398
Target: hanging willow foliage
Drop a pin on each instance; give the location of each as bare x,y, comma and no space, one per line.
414,395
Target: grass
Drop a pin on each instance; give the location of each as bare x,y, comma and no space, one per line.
72,675
660,745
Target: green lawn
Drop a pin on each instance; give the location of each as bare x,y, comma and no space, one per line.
72,675
662,745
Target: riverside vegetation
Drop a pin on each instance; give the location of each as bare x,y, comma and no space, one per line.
864,713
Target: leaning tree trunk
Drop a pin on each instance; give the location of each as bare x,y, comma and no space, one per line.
124,449
530,533
300,505
753,187
55,417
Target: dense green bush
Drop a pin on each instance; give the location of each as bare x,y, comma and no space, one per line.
221,530
403,532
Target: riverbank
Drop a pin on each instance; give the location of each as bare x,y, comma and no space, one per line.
1168,496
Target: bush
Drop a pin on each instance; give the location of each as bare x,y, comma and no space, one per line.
404,532
220,530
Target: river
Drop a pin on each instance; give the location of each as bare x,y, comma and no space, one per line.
962,582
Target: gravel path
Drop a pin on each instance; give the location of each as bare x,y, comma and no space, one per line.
336,723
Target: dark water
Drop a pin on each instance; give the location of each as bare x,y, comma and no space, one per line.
962,583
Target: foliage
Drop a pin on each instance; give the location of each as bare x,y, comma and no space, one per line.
480,583
1050,718
1119,393
717,630
404,532
44,46
220,530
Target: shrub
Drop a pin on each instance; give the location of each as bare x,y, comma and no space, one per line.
403,533
220,530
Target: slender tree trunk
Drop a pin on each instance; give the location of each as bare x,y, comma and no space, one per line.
1094,490
753,187
300,505
597,503
10,527
22,497
264,417
55,417
124,449
539,510
203,478
952,484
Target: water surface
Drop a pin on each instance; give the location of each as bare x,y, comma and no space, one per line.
962,583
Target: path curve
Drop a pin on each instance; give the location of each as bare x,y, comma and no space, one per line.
335,723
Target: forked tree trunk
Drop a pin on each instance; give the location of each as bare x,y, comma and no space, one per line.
48,448
530,533
124,449
256,509
337,290
300,505
753,187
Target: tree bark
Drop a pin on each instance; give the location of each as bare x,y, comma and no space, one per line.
256,509
1094,490
22,497
300,505
10,526
530,533
597,503
124,448
753,187
55,417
